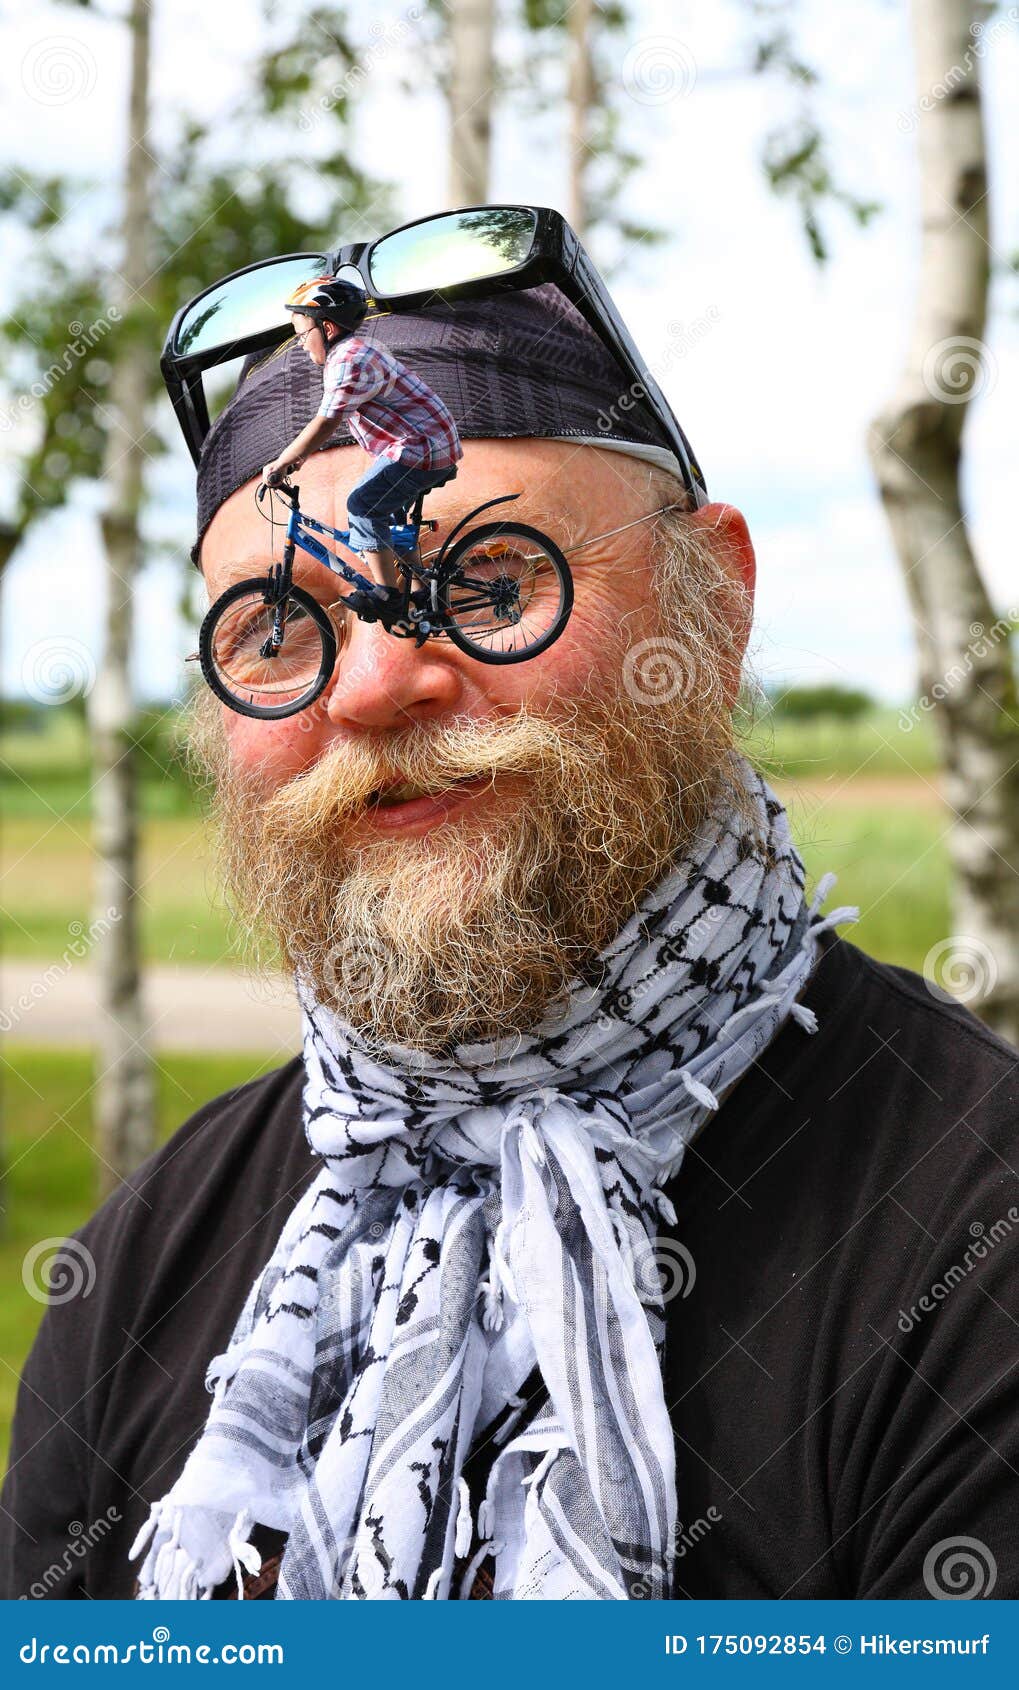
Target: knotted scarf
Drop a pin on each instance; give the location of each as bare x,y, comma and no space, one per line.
480,1220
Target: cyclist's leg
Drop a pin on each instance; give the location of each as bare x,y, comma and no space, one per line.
386,490
370,504
417,481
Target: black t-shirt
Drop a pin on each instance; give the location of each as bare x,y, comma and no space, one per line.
843,1345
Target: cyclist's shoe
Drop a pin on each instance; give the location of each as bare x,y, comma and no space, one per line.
371,606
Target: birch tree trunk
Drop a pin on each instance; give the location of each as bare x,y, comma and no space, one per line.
580,99
472,70
967,675
123,1094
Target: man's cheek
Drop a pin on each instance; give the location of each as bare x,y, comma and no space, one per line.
275,750
594,642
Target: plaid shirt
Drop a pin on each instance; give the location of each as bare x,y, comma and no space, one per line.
389,410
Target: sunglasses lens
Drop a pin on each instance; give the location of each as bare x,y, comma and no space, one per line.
461,246
244,305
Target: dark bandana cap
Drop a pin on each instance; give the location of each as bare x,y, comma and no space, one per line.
523,364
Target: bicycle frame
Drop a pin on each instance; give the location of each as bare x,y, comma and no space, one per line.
301,529
297,535
421,615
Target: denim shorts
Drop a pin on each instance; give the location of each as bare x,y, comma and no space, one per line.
384,491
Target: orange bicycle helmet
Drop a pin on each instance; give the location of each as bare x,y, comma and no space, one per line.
325,299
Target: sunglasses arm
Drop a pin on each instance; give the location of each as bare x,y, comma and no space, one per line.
588,289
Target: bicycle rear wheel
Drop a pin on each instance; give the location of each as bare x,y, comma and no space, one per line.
239,664
507,592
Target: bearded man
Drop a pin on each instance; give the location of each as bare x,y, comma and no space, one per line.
581,1252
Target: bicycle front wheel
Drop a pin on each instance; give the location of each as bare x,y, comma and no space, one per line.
247,669
507,592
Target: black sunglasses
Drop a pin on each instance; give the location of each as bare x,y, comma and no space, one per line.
475,253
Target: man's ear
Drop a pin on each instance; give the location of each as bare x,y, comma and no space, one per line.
730,526
731,535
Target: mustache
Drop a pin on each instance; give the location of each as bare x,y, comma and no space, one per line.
346,777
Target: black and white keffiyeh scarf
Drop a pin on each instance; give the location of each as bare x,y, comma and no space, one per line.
476,1219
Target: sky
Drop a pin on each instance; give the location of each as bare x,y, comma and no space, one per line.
774,367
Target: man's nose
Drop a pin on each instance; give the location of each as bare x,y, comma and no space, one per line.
382,680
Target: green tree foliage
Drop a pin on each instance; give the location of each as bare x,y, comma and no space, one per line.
794,154
287,184
613,157
800,704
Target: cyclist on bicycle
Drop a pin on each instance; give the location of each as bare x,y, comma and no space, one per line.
389,410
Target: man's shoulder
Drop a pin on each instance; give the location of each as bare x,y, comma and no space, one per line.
897,1083
899,1070
843,1269
934,1038
237,1151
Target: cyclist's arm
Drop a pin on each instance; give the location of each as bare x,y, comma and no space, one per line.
358,379
291,457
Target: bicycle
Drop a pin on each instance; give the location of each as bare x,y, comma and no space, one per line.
267,648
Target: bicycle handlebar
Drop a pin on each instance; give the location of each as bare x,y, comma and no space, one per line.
283,485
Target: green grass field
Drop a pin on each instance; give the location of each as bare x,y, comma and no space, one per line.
50,1179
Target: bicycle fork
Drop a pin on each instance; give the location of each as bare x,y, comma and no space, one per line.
277,592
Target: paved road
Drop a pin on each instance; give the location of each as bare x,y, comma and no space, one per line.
187,1008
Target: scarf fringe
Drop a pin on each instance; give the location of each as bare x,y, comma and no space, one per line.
245,1556
171,1572
517,1404
464,1523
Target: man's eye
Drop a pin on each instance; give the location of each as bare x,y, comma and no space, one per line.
245,655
